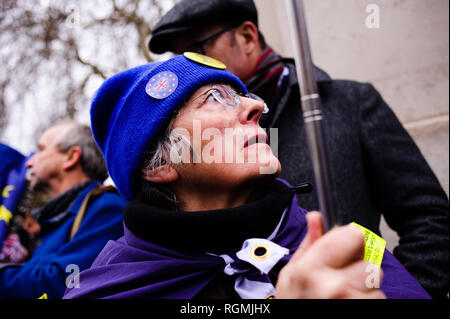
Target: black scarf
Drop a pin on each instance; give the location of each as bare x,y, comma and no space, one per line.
59,204
215,231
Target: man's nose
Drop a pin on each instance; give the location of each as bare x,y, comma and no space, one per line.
251,110
29,163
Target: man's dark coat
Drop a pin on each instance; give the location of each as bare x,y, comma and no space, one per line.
377,169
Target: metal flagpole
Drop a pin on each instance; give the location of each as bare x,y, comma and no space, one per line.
312,111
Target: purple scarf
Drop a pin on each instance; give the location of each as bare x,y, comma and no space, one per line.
135,268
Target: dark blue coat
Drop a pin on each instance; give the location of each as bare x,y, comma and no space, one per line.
46,272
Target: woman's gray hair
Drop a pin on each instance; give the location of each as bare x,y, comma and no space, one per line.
91,160
169,149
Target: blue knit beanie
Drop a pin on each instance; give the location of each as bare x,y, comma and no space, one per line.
132,109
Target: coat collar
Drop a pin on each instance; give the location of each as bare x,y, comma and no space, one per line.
74,206
321,75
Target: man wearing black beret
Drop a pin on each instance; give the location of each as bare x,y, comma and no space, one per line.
378,168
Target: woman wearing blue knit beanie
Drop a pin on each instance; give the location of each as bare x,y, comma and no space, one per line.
208,217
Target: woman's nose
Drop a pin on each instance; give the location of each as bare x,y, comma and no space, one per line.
251,110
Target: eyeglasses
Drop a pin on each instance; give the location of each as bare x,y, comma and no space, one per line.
229,97
197,46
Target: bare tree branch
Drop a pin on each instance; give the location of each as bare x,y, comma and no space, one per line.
53,58
95,69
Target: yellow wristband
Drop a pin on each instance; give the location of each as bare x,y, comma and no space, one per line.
374,246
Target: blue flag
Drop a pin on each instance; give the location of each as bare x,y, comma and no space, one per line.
12,183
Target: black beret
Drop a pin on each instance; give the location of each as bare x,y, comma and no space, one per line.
188,15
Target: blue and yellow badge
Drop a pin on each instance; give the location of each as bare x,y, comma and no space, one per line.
161,85
205,60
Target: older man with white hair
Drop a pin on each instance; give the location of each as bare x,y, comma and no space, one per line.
75,224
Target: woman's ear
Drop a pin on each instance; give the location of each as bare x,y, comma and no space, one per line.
161,174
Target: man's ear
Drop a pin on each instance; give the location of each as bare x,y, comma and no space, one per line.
161,174
249,32
73,156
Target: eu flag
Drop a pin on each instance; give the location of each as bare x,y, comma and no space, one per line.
12,183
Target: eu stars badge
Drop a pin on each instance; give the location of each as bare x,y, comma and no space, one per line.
162,84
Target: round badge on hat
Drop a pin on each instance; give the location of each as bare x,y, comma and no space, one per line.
162,84
205,60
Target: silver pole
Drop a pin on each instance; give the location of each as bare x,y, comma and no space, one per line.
312,111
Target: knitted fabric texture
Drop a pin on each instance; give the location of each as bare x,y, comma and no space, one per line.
126,121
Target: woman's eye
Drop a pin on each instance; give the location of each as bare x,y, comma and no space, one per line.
223,95
210,97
